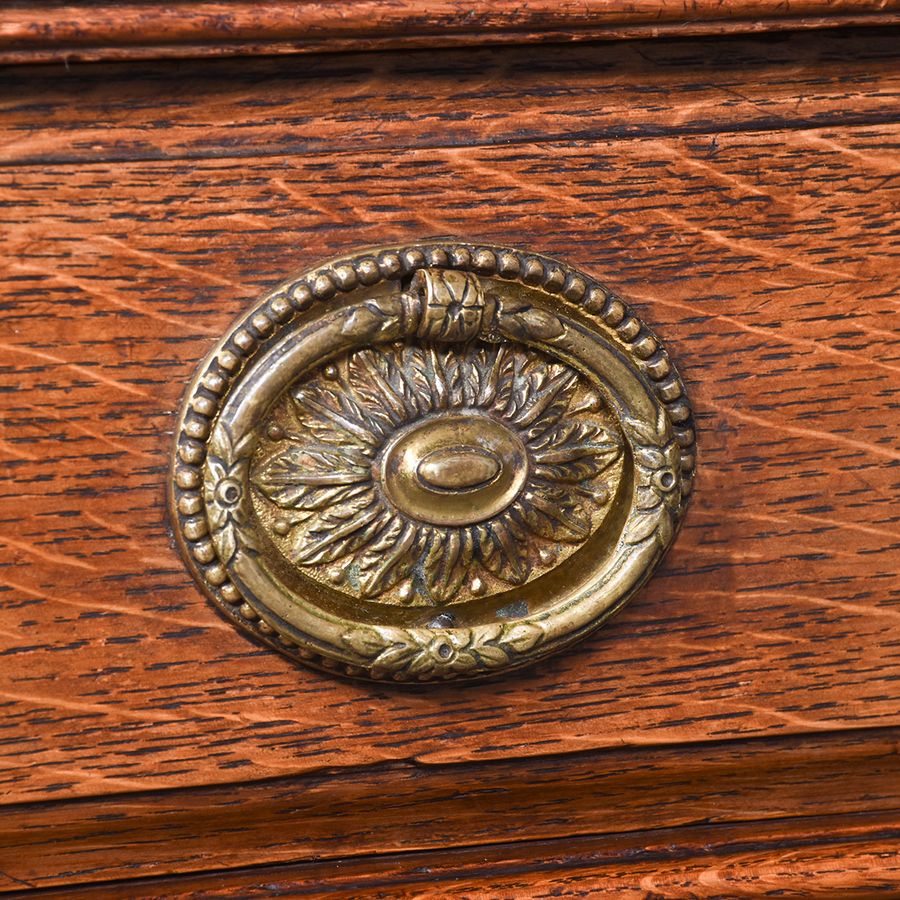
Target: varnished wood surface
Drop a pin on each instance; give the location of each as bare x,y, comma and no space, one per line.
758,238
406,808
40,32
835,856
753,254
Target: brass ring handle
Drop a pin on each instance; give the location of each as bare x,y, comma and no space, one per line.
433,461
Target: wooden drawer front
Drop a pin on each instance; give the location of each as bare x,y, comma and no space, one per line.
738,193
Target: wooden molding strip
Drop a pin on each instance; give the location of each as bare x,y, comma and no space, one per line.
403,808
270,106
40,32
837,856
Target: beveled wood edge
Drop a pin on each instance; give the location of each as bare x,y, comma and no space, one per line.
404,807
38,33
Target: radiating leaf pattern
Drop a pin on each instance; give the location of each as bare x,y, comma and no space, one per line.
324,474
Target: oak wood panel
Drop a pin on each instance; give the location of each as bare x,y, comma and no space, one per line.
403,807
266,107
836,856
763,258
41,32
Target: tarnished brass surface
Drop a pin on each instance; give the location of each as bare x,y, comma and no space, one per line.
431,461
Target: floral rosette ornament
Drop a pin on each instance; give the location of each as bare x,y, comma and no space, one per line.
431,462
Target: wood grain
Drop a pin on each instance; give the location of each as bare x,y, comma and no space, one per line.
350,102
407,808
742,194
835,856
40,32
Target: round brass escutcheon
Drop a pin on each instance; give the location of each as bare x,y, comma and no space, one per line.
428,462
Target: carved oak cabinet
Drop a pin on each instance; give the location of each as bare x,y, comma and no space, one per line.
728,171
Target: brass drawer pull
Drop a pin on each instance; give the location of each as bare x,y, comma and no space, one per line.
430,462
